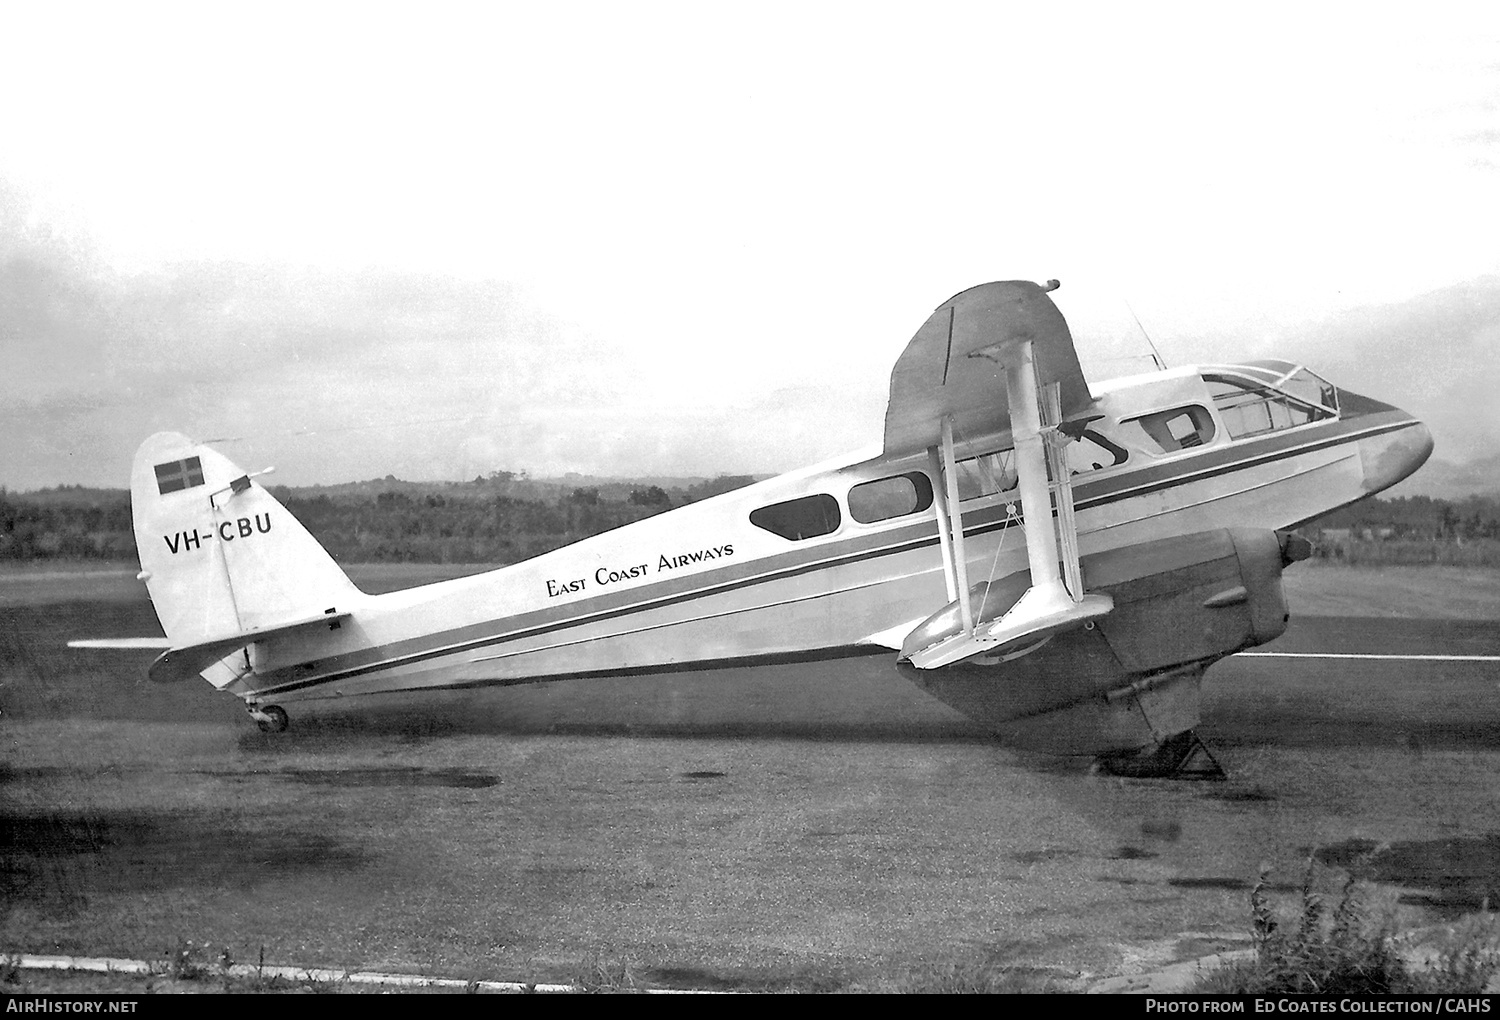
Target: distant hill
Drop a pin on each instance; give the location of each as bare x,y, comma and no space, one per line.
1438,479
512,486
500,518
487,521
522,486
1436,355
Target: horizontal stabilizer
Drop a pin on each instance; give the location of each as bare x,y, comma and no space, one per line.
121,642
190,661
1040,613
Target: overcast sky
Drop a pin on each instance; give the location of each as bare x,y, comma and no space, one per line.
655,238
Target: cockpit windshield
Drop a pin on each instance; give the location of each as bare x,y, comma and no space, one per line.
1266,396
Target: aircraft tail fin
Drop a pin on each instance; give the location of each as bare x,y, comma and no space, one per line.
219,555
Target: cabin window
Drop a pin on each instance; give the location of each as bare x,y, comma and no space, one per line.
897,496
1254,411
797,519
986,475
1180,428
1093,452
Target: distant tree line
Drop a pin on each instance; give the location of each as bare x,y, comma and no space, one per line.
472,522
1420,518
1411,530
95,524
480,522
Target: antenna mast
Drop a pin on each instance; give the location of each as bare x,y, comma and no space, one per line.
1155,354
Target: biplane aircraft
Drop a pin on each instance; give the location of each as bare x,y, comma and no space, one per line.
1058,562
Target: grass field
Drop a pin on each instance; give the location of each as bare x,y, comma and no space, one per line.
1447,593
813,828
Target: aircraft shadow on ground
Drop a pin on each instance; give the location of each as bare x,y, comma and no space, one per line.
430,724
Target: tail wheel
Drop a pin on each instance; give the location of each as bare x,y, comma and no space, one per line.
272,719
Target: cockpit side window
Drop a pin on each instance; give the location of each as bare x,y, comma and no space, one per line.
1094,452
798,519
1254,410
1179,428
885,498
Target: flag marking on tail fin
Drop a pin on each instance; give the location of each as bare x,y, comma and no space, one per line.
179,474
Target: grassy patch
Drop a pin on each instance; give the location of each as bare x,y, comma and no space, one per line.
974,978
1352,949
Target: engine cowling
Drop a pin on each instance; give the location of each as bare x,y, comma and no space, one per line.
1130,680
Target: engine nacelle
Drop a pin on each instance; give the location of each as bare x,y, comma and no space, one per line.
1129,681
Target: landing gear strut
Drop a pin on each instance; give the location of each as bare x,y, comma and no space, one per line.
270,718
1181,756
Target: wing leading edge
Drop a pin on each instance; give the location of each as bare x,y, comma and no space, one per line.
953,366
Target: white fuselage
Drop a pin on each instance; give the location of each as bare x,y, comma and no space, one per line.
706,585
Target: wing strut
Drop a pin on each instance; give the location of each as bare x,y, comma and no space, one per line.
1062,490
956,517
1031,466
945,540
1051,604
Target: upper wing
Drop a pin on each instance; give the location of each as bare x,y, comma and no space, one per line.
953,365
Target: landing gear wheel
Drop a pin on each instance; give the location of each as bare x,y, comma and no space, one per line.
271,718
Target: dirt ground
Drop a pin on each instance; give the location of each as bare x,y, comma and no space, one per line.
809,828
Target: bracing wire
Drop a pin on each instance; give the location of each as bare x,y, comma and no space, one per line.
1011,517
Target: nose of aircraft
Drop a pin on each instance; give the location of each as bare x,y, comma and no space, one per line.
1391,456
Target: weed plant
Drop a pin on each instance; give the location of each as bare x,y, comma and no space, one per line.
602,975
191,961
1352,950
